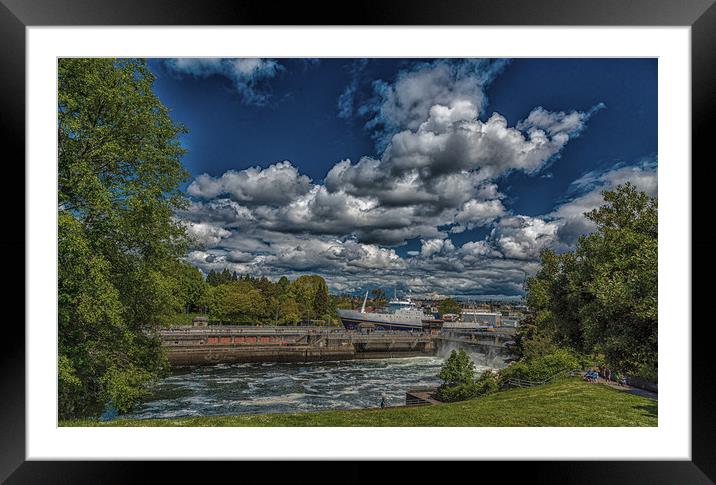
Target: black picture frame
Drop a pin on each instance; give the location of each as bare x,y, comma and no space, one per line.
700,15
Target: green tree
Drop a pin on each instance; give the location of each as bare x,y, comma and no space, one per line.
212,278
191,286
236,302
321,305
602,298
458,369
288,311
119,171
379,299
619,273
449,306
342,301
283,285
304,290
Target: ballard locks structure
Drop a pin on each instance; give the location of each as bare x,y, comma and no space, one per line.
229,344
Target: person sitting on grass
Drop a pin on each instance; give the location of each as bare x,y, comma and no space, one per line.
620,379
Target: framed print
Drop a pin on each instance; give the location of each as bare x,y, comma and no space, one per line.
398,237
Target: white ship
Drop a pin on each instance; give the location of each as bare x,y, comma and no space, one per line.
399,315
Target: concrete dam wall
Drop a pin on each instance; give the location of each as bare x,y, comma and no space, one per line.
207,346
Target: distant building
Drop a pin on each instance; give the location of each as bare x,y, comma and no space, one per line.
510,322
200,321
482,317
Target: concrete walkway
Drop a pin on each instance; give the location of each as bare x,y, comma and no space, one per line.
626,388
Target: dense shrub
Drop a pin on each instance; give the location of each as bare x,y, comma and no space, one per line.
460,392
539,369
487,383
457,370
648,373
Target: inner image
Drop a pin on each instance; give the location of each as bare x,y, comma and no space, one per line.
357,242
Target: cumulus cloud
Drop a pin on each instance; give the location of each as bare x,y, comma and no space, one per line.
476,250
451,142
476,213
352,266
206,234
277,184
247,75
493,147
570,215
437,176
523,237
643,175
405,103
436,246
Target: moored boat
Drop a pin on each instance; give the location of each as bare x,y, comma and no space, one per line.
399,315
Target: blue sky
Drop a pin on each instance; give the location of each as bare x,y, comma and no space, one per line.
429,175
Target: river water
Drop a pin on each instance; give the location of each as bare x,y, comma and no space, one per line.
258,388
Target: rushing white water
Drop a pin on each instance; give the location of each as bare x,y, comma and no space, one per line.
232,389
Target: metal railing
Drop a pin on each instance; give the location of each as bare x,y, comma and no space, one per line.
514,382
215,329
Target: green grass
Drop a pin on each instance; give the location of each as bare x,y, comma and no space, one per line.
567,403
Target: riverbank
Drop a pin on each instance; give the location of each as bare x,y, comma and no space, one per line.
571,402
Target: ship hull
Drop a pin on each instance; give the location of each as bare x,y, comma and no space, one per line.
352,320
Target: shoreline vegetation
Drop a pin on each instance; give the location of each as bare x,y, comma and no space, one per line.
571,402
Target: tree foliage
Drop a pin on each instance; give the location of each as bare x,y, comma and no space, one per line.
119,164
602,298
379,299
244,299
459,383
457,369
541,368
449,306
236,302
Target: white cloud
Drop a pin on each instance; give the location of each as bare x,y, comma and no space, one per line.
246,74
436,246
438,173
570,215
405,104
523,237
476,213
280,222
346,100
474,250
491,147
206,234
352,266
444,176
198,67
643,175
277,184
552,123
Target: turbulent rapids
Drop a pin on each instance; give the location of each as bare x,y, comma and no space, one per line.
258,388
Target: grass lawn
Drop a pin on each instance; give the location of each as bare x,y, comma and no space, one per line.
571,402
